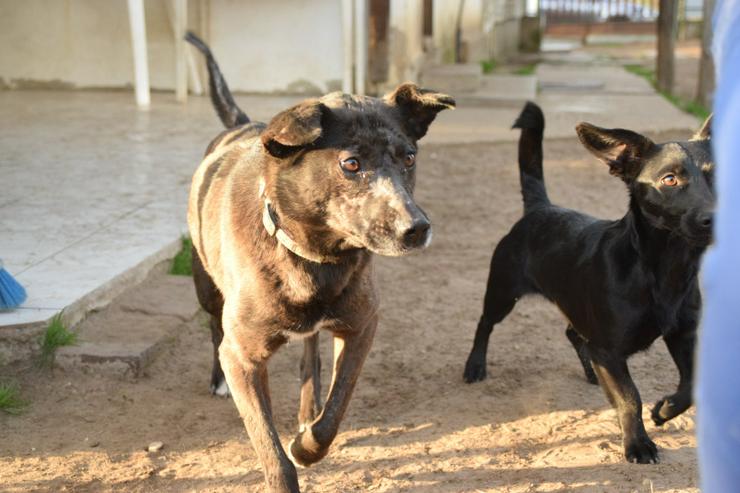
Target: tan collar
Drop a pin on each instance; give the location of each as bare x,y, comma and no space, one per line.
272,225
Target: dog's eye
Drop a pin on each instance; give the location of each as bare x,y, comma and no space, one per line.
669,180
350,164
410,159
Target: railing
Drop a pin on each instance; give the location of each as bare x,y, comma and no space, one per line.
595,11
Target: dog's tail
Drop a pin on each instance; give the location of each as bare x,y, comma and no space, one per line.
532,122
231,115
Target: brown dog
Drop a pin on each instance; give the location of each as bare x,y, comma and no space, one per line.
283,219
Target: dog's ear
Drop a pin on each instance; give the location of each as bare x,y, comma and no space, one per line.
418,107
705,132
623,150
294,128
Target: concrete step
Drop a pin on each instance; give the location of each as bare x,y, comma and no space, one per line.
500,90
453,78
124,337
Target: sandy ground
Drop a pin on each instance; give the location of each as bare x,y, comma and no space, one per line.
534,425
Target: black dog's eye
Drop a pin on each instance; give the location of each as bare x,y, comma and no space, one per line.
669,180
350,164
410,159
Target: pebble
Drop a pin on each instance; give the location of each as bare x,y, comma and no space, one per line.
155,446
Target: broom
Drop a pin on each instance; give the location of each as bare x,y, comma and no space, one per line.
12,294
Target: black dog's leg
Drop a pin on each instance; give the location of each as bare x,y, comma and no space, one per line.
681,346
310,381
502,293
617,383
212,301
582,351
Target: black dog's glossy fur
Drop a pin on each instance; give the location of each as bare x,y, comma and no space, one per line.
620,284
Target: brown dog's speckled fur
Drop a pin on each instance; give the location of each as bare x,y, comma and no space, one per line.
258,292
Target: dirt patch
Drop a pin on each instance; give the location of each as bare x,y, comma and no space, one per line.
534,425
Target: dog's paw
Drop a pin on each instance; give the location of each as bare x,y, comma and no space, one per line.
304,450
475,370
641,450
668,408
221,390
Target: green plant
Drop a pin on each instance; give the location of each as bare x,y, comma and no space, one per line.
488,66
182,264
691,107
55,336
526,69
10,400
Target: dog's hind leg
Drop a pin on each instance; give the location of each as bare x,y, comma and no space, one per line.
681,346
212,301
502,292
310,381
582,351
350,349
622,393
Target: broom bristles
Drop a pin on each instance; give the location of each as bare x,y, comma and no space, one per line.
12,293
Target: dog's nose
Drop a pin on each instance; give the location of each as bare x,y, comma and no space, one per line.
705,220
417,234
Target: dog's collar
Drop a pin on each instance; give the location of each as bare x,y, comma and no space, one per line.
272,225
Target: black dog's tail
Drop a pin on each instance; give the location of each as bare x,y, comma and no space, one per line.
532,122
231,115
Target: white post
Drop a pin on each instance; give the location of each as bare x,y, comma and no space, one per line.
348,36
181,75
361,41
138,42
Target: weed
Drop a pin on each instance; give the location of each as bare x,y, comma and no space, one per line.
10,400
182,264
526,69
56,336
691,107
488,66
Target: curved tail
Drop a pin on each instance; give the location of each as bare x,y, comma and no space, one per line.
229,113
532,122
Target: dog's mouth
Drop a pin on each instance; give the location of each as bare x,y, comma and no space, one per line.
700,239
390,246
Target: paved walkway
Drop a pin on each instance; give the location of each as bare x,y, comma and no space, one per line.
93,192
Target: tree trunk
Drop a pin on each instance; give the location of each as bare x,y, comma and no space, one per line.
667,21
705,89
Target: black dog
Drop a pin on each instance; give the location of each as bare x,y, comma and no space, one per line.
621,284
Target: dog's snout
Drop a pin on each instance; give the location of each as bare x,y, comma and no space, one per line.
416,235
705,220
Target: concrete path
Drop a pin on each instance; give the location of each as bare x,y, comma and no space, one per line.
94,191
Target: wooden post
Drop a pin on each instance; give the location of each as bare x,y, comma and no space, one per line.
667,23
705,89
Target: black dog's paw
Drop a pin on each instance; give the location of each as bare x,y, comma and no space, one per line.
641,450
668,408
475,370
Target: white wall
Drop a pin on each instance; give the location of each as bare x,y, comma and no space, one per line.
262,46
278,45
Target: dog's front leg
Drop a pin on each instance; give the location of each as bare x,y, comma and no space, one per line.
681,346
246,374
615,379
350,349
310,381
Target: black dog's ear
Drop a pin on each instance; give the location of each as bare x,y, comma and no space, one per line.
623,150
294,128
705,132
418,107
